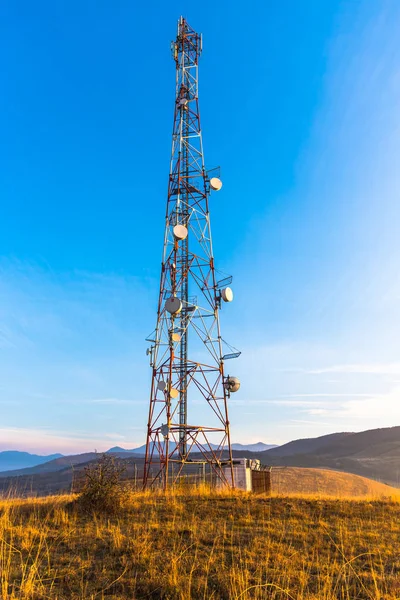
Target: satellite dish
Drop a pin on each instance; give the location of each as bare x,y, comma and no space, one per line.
173,305
161,385
215,184
173,392
232,384
148,351
176,337
227,294
180,232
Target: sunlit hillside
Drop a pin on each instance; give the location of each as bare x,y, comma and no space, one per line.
292,480
189,546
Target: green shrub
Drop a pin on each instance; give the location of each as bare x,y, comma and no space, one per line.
102,490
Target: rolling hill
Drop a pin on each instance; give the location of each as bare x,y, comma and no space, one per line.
374,454
57,464
62,478
323,482
307,445
285,481
14,459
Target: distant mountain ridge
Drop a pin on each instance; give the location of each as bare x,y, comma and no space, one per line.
14,463
374,454
14,459
257,447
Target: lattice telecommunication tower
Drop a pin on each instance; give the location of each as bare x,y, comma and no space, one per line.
187,352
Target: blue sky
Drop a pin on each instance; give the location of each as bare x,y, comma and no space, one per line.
299,105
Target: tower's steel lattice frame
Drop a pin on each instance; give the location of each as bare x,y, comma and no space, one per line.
189,276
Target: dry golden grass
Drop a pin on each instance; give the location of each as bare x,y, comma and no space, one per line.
202,545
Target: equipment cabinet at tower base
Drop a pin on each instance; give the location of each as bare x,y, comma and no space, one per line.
249,475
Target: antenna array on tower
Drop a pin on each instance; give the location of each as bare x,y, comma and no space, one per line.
187,352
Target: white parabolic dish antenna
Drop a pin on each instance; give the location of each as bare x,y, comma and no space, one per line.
227,294
215,184
232,384
173,305
180,232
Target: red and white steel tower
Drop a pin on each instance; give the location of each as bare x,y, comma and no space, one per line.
187,352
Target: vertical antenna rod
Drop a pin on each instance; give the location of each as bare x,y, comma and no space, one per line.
189,302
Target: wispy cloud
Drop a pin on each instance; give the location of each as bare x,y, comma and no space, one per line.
327,395
44,440
315,423
367,369
114,436
385,406
301,400
114,401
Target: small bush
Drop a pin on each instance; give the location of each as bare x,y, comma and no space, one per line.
103,491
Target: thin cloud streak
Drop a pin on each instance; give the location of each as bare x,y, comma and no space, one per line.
114,401
368,369
307,422
50,441
329,395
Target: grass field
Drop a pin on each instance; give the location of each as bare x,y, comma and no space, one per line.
202,546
